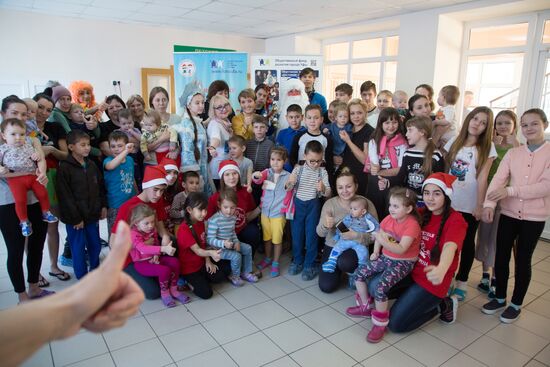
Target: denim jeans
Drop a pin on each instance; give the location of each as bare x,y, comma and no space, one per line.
241,262
303,228
81,240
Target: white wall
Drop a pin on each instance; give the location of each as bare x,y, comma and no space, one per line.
48,47
293,45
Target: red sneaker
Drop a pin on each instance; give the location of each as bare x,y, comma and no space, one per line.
359,311
380,320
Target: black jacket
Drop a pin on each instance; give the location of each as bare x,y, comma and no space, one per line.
80,190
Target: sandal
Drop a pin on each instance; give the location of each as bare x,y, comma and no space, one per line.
42,282
460,294
275,269
43,293
63,276
263,264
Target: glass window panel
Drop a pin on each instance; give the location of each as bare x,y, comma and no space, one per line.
545,101
390,73
392,46
337,51
494,80
367,48
363,72
334,75
499,36
546,34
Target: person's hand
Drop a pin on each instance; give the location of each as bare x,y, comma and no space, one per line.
166,240
213,152
103,213
320,187
338,160
168,250
290,182
329,221
3,170
154,260
512,140
381,237
90,121
173,155
257,175
48,149
237,247
349,235
106,297
382,183
228,244
103,106
374,256
35,157
216,255
211,268
374,169
41,177
488,215
79,225
434,274
325,131
497,139
345,136
478,212
498,194
249,188
129,147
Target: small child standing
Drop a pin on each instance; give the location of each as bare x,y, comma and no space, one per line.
21,154
190,181
273,181
118,171
134,137
445,123
82,202
153,260
310,183
237,148
399,240
294,117
341,115
153,128
221,234
257,150
358,220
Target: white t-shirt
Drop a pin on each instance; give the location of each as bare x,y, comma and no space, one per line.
464,197
216,131
372,118
450,115
385,163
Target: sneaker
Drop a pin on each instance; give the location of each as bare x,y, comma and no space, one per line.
510,315
493,307
449,310
359,311
26,228
492,293
484,286
236,280
459,293
249,277
275,269
309,273
264,264
66,261
49,217
376,334
295,269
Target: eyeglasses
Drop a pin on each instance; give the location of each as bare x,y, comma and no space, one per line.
223,107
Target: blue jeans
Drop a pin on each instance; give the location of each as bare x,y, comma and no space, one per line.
304,231
241,262
81,240
413,308
251,234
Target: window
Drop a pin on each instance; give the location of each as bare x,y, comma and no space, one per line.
358,60
494,64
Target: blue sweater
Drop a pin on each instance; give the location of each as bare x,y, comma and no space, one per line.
317,98
285,138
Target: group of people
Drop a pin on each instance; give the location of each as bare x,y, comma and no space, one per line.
381,188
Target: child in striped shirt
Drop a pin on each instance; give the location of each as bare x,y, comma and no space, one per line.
221,234
310,182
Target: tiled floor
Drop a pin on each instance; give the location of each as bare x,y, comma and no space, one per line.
288,322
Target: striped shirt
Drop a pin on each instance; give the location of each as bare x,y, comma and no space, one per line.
307,182
258,152
299,143
221,228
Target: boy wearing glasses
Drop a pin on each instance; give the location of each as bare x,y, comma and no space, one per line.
310,182
313,120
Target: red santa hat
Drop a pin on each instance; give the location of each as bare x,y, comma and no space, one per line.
442,180
153,176
169,164
227,165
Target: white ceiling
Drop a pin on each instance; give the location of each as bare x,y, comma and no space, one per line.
252,18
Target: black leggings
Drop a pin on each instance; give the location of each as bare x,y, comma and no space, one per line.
15,243
468,248
347,262
527,234
200,280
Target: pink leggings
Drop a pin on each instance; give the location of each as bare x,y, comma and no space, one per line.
168,266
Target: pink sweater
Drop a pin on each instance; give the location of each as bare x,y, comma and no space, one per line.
144,245
526,176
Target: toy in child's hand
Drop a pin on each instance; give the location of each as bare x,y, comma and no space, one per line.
342,227
257,175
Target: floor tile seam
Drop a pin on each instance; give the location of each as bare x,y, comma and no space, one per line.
401,350
261,331
453,346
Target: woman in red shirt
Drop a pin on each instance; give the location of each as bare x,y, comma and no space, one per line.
196,264
247,211
443,231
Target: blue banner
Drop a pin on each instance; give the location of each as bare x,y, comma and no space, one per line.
207,67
